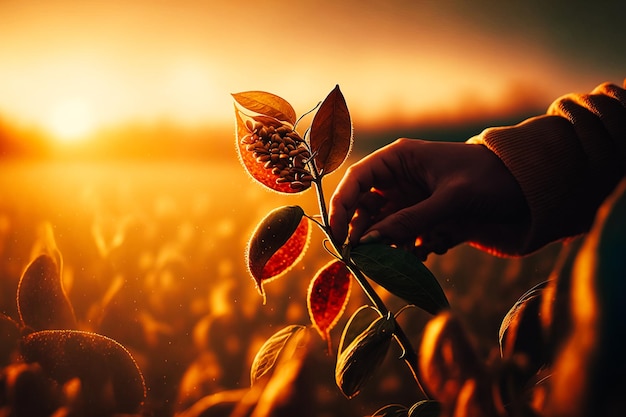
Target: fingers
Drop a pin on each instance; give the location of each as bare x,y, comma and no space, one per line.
408,224
357,182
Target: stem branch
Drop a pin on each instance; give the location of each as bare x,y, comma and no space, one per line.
409,356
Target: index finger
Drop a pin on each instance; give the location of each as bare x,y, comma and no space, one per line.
358,180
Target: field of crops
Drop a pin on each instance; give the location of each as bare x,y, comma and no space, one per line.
153,259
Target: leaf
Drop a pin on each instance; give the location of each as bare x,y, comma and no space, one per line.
267,104
392,410
425,408
358,362
278,243
41,300
360,320
268,354
328,295
401,273
521,329
446,358
253,167
331,133
102,364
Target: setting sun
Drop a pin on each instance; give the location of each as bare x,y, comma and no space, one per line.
70,120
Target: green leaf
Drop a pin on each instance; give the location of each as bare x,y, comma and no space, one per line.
331,133
401,273
358,362
392,410
103,365
270,351
425,408
267,104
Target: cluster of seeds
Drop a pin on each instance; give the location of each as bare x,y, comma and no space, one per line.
282,150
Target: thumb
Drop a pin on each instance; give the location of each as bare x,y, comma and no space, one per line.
408,224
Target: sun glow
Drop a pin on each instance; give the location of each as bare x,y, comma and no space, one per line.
70,120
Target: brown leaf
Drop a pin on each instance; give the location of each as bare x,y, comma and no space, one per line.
328,295
278,243
41,300
331,133
102,364
267,104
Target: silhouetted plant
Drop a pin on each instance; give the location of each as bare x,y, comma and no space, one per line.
279,157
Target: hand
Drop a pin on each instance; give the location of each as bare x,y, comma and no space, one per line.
430,196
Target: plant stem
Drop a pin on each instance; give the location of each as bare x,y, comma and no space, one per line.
409,356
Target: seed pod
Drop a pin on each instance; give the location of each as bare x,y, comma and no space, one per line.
283,130
357,363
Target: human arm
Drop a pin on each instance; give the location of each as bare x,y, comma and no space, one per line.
550,175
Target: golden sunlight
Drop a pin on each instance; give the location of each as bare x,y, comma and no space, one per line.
70,120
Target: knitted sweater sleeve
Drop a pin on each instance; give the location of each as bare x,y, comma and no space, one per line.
566,161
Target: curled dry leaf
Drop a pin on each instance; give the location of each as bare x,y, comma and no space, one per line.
267,104
331,132
278,242
268,354
41,301
358,362
273,153
328,295
102,364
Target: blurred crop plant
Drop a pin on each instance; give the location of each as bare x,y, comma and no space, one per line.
50,367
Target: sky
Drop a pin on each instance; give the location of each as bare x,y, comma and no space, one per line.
86,64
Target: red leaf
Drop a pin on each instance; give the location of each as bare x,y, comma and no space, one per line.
269,174
328,295
277,244
331,133
267,104
41,301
